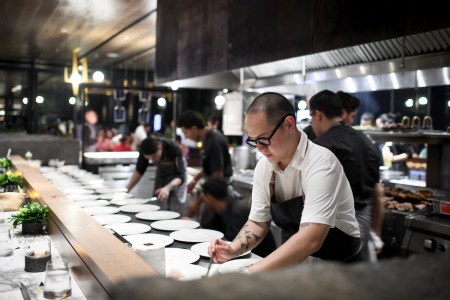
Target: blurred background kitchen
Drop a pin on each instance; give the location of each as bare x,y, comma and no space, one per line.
145,62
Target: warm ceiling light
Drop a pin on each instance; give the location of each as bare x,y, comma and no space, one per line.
423,101
161,102
72,100
302,104
409,103
98,76
25,100
39,99
112,55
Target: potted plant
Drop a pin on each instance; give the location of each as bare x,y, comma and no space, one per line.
11,182
32,216
5,164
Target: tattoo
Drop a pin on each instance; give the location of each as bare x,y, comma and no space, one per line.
244,238
305,224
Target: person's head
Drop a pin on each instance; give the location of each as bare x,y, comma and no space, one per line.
147,127
192,125
325,108
271,126
215,192
213,122
350,106
366,119
384,120
151,149
91,117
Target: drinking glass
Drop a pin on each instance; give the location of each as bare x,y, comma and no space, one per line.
6,244
57,280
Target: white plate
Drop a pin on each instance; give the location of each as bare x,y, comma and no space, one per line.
173,225
112,219
77,191
82,197
101,210
157,215
185,271
129,228
129,201
149,238
202,249
178,256
135,208
92,203
236,266
197,235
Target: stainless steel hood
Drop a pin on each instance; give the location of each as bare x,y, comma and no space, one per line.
418,60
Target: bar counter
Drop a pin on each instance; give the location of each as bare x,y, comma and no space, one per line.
98,260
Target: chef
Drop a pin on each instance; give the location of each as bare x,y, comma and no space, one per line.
299,185
170,180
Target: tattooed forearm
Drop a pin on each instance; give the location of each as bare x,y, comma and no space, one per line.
245,238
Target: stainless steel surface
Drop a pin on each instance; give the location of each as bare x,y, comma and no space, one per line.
305,75
427,234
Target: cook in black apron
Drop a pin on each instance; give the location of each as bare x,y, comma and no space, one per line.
177,197
287,216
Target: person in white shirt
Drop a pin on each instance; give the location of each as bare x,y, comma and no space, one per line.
299,185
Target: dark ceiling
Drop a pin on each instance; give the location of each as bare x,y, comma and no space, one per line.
111,34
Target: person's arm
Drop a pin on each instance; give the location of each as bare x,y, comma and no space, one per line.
295,250
133,180
250,236
163,193
193,182
378,209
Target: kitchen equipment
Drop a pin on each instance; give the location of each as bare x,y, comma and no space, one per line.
428,234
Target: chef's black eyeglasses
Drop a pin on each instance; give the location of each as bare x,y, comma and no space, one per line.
265,141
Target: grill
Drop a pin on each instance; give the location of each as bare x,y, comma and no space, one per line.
427,233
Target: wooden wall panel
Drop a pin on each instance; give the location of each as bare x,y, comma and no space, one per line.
214,36
266,30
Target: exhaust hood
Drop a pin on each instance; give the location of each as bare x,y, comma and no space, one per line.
418,60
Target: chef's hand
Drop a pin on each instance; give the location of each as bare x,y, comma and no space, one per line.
191,185
222,251
162,194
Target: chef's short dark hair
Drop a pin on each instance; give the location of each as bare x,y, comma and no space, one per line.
327,102
216,187
149,146
190,119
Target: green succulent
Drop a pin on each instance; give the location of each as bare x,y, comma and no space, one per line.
5,163
31,213
10,178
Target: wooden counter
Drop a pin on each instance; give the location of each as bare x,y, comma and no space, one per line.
98,260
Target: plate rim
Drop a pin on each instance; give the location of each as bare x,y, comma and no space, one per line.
171,220
158,211
136,204
196,229
150,233
128,224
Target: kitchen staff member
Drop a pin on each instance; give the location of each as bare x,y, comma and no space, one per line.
216,160
170,180
299,185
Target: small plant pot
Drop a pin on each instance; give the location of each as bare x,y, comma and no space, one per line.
32,228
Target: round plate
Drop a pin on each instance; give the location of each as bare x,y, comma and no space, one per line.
202,249
77,191
236,266
129,201
178,256
173,225
82,197
157,215
92,203
135,208
101,210
129,228
149,238
185,271
196,235
112,219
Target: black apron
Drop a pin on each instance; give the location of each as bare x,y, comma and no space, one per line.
177,197
287,216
